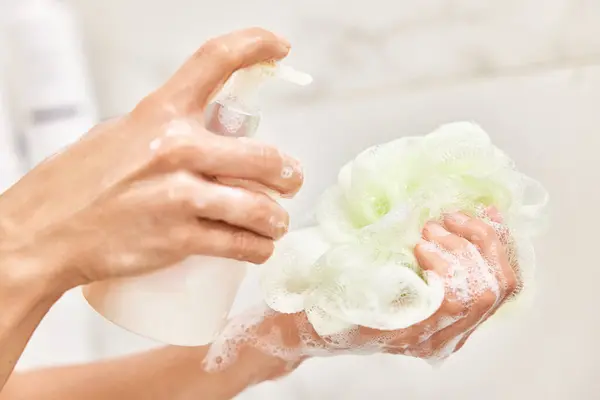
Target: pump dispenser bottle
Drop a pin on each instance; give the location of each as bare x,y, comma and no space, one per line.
188,304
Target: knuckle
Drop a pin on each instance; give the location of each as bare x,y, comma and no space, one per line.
156,108
462,244
181,188
419,249
166,151
483,231
455,307
242,242
182,179
218,50
251,247
174,149
488,300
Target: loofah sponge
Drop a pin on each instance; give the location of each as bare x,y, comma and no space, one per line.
356,266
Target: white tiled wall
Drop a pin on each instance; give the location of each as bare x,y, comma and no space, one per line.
527,70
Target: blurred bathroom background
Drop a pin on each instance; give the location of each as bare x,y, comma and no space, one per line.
527,70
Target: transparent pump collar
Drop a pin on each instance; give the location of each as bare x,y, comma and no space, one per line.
236,110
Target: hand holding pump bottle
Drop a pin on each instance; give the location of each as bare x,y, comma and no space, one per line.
188,303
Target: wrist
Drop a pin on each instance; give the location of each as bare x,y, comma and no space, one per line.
26,298
250,367
30,275
256,366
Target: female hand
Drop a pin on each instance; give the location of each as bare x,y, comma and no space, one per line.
140,193
469,254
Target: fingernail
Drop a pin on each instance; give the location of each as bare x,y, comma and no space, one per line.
287,172
291,167
458,217
286,43
280,227
436,229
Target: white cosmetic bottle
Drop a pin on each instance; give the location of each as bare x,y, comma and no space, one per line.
10,166
50,83
188,304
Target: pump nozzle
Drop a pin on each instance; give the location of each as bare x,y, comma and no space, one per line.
289,74
271,69
236,111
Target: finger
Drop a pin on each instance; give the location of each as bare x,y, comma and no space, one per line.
497,222
512,279
493,213
436,233
227,157
455,244
431,258
477,232
239,207
218,239
484,237
206,71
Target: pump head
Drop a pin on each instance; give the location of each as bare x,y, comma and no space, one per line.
236,111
